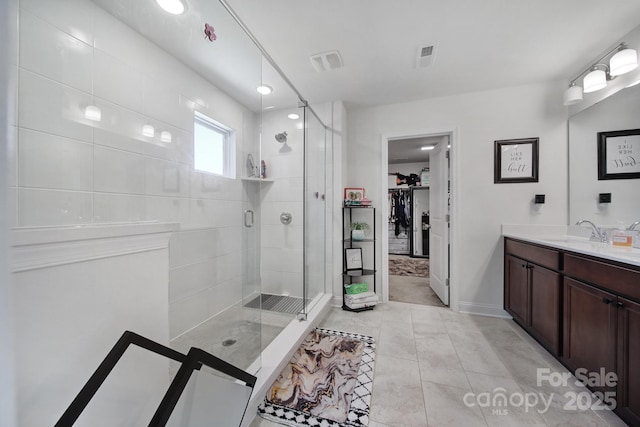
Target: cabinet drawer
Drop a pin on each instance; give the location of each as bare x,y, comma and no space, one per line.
538,255
617,279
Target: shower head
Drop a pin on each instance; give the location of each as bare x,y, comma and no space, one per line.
281,137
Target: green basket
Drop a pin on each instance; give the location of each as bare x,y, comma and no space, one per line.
356,288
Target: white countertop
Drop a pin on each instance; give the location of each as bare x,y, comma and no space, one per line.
573,239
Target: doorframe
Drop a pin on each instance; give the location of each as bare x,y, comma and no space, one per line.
453,220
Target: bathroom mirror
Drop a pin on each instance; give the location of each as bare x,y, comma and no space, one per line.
620,111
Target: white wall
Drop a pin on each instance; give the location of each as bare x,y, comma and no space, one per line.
76,290
618,112
479,119
74,171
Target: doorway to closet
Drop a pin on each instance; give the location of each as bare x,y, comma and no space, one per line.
417,231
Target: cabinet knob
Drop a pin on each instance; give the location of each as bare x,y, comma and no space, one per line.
619,304
607,300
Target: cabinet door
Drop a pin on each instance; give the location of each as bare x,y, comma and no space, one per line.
589,328
545,307
628,396
516,289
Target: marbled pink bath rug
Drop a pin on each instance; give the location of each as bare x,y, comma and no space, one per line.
327,382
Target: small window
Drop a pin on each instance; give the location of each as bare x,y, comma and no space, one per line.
213,147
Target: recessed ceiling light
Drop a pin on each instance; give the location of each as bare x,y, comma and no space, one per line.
264,89
174,7
428,147
293,116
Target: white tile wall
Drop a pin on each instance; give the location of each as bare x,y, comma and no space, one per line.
75,17
118,208
51,107
117,81
37,207
116,171
46,50
50,161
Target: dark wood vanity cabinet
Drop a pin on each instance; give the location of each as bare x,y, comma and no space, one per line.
532,291
590,316
585,310
628,367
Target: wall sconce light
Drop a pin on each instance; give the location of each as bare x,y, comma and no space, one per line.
165,136
623,60
148,131
596,79
91,112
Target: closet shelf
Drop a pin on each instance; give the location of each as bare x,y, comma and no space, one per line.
358,241
362,272
253,179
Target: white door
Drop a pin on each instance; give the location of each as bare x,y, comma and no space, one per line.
438,209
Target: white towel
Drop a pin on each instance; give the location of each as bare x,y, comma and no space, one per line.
359,304
359,296
370,299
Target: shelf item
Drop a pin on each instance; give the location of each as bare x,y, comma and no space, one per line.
366,251
256,179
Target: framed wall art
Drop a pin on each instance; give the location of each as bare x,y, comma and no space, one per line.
353,258
515,160
619,154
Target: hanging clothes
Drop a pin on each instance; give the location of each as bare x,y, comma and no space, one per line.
400,215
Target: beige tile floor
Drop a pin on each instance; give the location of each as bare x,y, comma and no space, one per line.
428,358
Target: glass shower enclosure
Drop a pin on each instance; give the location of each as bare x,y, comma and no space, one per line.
130,115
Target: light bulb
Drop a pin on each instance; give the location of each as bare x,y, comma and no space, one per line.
595,80
92,112
165,136
623,62
148,131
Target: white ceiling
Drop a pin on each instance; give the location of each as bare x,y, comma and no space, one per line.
410,150
481,44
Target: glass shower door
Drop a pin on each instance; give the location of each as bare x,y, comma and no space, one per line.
314,210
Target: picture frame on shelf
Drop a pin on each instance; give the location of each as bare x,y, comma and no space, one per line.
619,154
515,160
353,196
353,259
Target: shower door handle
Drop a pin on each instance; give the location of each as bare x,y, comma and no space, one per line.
248,218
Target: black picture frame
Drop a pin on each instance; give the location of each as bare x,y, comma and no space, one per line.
619,154
515,160
353,259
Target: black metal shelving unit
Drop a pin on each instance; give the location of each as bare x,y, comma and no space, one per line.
349,275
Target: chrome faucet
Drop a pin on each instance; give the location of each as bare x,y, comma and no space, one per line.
596,233
633,226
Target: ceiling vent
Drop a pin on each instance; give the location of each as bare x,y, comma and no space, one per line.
426,56
326,61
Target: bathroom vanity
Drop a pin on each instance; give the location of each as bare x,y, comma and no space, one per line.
581,301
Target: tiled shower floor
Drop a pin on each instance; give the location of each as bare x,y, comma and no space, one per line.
237,335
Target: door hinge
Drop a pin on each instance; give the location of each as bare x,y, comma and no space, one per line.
447,218
446,154
446,282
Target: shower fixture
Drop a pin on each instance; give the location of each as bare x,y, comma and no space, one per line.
281,137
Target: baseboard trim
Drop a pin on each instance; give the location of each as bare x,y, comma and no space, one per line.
483,309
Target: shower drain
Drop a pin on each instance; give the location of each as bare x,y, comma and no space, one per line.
229,342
